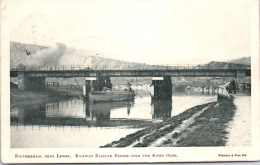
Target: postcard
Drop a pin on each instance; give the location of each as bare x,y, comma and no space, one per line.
129,81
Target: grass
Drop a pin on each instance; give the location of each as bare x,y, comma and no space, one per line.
210,126
208,129
154,131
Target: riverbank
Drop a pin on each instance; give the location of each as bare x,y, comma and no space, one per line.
240,127
202,125
39,97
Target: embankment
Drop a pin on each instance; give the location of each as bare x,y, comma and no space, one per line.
202,125
33,97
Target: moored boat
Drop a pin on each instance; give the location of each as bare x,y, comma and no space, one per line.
227,89
110,95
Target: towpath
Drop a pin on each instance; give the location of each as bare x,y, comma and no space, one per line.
239,129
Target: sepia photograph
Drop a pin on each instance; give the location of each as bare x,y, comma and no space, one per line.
129,81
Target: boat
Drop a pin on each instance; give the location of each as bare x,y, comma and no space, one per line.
111,95
227,89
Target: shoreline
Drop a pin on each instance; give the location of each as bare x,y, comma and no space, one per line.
40,97
242,119
202,125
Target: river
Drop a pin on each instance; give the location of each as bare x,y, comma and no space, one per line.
75,123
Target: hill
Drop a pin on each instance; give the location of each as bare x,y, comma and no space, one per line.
243,60
35,55
224,65
20,53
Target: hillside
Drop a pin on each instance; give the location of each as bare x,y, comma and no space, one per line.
243,60
20,53
34,55
224,65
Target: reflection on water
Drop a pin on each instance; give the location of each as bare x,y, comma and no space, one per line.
55,120
76,113
161,108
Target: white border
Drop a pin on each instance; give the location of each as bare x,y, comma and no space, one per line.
188,154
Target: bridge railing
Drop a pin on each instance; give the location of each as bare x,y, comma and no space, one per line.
50,68
126,67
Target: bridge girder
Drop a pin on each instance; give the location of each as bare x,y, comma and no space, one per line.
134,73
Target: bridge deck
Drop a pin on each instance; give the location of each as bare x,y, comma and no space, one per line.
140,71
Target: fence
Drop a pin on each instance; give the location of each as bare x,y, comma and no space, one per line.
62,85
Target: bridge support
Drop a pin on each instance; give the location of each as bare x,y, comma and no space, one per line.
241,76
161,87
242,81
30,83
96,84
161,108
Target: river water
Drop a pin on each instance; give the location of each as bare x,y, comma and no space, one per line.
76,123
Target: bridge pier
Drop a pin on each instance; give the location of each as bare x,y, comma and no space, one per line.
161,108
30,83
241,76
161,87
242,80
96,84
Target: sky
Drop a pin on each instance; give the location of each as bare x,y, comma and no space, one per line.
148,31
